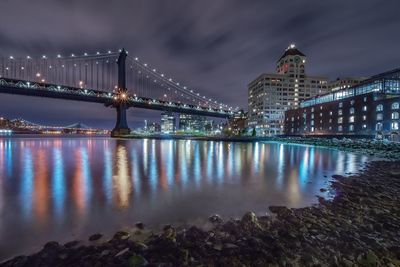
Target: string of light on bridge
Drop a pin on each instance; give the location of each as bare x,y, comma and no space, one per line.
94,70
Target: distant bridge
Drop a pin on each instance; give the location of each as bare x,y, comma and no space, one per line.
93,78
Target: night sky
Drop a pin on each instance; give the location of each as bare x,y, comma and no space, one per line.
215,46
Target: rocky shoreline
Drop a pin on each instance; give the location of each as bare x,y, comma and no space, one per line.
378,148
359,227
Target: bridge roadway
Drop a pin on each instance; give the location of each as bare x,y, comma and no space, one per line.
20,87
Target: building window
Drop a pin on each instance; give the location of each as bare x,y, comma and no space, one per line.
364,126
351,119
378,126
312,109
379,116
320,114
340,120
364,118
312,129
395,125
365,99
340,112
340,104
340,128
351,110
312,122
379,107
330,113
352,102
312,116
364,108
351,127
395,116
395,105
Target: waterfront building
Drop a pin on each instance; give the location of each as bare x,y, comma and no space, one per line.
238,122
194,123
167,122
270,95
343,83
154,127
369,109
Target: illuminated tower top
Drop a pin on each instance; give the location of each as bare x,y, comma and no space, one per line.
292,62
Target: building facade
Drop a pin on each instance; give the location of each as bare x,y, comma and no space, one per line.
167,122
270,95
369,109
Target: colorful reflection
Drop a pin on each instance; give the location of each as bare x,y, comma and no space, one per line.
60,185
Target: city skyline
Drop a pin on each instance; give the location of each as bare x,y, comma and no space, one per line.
206,52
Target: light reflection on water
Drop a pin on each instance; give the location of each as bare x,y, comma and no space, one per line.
67,188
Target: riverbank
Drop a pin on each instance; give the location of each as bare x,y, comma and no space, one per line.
359,227
378,148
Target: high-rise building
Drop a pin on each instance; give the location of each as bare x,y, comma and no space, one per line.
194,123
270,95
167,122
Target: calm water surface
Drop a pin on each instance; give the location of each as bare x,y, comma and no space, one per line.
67,188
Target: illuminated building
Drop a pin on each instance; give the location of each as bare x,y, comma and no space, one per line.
194,123
238,122
369,109
167,122
270,95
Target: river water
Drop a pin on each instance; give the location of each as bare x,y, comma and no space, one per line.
68,188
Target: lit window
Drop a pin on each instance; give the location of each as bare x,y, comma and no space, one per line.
364,118
330,113
395,105
320,114
364,108
364,126
340,128
312,129
365,99
351,110
312,116
379,116
395,125
340,120
378,126
395,116
312,122
340,104
379,107
340,112
352,102
351,119
351,127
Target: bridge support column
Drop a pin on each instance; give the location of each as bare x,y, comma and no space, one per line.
121,127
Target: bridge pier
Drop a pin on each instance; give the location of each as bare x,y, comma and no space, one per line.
121,127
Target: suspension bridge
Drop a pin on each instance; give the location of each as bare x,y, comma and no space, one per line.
114,79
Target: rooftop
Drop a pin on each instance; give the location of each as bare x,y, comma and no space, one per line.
291,51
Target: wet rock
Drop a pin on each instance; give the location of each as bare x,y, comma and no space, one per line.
139,225
169,233
137,261
95,237
72,244
122,252
51,245
216,219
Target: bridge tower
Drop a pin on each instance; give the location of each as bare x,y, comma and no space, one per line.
121,127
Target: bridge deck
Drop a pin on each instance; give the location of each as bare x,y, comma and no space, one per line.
19,87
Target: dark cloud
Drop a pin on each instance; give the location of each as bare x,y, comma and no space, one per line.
215,46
